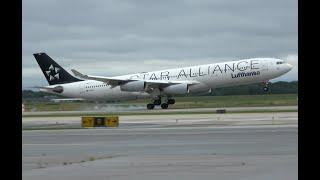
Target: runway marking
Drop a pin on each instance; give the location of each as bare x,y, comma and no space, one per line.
158,144
69,144
105,132
260,126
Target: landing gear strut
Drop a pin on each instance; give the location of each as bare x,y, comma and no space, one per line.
157,101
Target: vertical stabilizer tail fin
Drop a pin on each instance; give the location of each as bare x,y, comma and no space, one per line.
53,72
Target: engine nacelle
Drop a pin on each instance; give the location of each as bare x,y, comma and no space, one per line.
176,89
58,89
134,86
199,89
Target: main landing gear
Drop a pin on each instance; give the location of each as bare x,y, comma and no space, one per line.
157,102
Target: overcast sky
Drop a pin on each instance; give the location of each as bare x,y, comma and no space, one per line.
116,37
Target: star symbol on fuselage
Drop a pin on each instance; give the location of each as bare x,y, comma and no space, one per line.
53,72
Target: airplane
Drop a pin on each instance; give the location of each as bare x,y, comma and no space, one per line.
160,86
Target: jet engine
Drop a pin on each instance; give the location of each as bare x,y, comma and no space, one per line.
58,89
133,86
199,89
176,89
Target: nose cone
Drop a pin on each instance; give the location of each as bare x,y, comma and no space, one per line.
286,67
289,66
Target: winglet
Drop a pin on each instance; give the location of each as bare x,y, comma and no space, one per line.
78,74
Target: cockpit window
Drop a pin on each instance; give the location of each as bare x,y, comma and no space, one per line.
279,62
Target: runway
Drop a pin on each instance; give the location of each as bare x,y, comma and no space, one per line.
202,146
142,109
180,118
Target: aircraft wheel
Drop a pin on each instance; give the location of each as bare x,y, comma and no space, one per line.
171,101
150,106
164,106
265,89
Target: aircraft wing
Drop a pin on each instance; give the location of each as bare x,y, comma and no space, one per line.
43,87
118,81
52,88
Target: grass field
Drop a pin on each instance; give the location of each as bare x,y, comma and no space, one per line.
181,102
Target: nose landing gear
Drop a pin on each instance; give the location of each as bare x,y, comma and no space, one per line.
266,88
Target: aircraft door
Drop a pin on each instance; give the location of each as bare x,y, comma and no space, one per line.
82,88
264,66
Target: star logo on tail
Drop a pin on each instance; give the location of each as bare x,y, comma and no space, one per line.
53,72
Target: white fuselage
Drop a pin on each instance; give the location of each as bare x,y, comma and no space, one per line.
209,76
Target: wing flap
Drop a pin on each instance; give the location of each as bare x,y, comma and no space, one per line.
109,80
